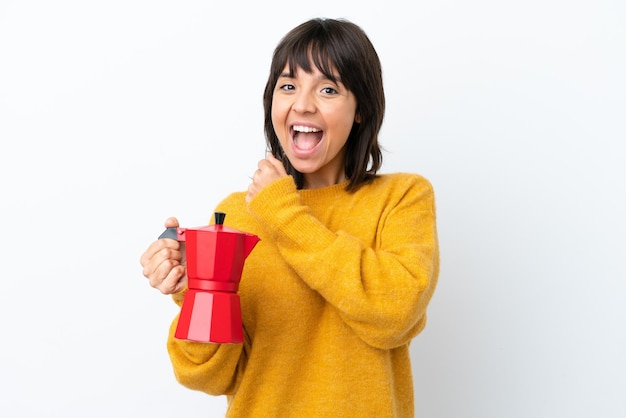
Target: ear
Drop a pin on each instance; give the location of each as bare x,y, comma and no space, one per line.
357,118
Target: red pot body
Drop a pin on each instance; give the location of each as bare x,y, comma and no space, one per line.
211,310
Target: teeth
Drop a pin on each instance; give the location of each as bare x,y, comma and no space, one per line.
305,129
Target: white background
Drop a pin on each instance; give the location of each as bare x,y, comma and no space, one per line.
117,114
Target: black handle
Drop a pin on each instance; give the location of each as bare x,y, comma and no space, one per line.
169,233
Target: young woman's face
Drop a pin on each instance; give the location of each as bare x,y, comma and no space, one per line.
312,117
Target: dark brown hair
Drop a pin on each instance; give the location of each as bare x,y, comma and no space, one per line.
335,44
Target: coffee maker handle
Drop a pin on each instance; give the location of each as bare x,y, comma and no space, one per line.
171,233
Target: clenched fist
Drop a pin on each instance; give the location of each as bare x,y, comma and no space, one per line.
269,170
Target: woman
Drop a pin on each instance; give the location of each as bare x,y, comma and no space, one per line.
348,260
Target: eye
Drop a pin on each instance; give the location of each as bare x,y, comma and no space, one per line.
286,87
329,90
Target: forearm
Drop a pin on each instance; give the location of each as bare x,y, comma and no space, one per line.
207,367
380,284
382,296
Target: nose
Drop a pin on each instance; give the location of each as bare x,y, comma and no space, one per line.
304,103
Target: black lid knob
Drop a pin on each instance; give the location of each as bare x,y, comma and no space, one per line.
219,218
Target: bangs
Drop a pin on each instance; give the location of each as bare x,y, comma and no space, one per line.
315,50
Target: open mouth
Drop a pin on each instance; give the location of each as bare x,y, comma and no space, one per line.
306,138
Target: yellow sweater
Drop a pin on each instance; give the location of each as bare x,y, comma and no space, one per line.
331,297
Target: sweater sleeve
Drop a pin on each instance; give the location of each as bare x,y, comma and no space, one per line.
381,291
206,367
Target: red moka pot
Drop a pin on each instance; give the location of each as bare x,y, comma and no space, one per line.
211,310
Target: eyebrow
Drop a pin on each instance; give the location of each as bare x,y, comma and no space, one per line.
322,77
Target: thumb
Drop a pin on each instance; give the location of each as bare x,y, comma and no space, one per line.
171,222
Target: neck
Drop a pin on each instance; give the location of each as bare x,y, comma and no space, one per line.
312,181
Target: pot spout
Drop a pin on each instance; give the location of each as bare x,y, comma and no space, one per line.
249,244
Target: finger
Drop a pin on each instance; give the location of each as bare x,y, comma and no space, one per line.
161,264
264,165
155,248
252,191
174,282
277,164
